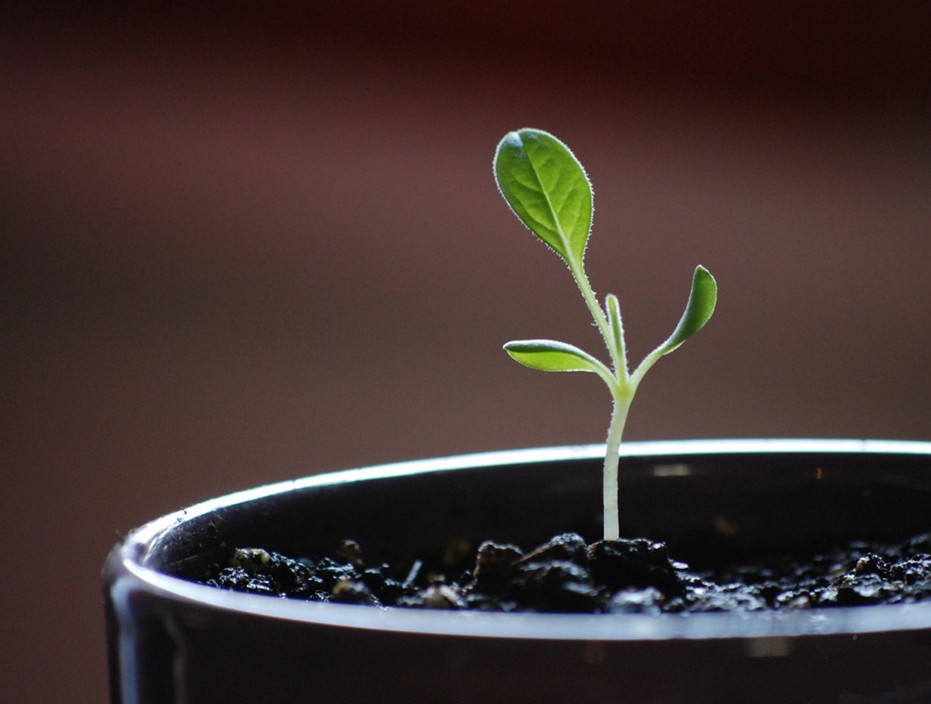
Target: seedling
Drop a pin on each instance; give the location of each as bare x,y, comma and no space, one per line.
548,190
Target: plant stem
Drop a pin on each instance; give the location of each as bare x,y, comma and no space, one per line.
610,474
618,361
622,393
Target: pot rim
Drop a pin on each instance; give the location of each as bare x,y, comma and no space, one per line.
128,564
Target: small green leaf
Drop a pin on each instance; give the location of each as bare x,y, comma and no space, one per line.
552,356
616,327
546,187
698,310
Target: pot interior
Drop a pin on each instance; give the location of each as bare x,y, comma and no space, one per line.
710,505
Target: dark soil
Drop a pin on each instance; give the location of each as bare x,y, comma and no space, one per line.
568,575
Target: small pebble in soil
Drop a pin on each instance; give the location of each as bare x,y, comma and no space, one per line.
567,575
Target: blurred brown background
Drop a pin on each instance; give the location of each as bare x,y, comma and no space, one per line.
245,242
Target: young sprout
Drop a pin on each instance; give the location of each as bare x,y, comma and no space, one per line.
548,190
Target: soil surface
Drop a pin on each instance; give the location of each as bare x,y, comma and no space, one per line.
568,575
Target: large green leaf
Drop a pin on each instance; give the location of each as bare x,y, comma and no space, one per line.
546,187
552,356
698,310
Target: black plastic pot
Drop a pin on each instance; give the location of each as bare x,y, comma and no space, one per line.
172,640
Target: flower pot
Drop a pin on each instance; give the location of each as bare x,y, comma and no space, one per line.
172,640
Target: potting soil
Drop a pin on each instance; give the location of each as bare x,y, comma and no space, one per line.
566,574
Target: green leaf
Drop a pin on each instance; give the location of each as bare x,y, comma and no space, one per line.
616,327
552,356
698,310
546,187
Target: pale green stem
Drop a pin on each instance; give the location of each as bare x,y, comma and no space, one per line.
601,321
610,489
645,366
622,392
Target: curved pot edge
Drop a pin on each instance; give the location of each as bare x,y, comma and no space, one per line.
125,569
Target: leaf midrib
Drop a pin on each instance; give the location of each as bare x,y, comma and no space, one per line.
567,247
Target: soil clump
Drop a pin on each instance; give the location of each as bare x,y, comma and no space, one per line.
568,575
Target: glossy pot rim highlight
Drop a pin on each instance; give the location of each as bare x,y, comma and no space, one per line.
128,572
